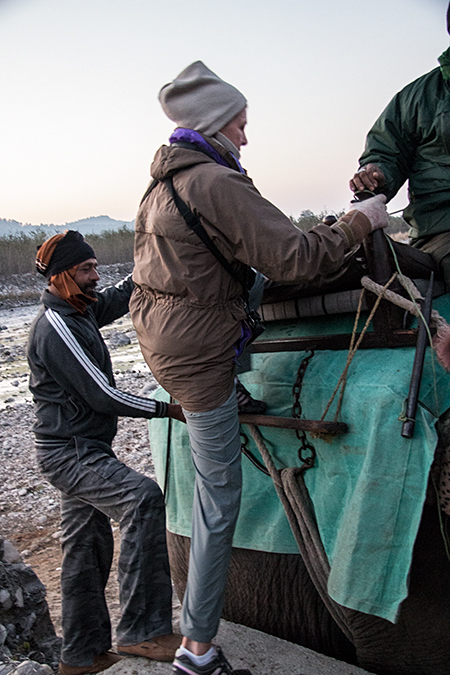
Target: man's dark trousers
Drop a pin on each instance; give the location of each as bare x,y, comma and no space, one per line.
95,486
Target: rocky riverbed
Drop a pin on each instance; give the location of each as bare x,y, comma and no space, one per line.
29,506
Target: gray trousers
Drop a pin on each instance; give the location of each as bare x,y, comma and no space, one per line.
95,486
216,453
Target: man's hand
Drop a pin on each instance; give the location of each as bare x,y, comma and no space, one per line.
175,411
368,177
375,209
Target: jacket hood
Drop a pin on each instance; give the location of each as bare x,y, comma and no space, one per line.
170,159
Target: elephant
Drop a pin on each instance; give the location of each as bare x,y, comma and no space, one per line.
274,594
272,589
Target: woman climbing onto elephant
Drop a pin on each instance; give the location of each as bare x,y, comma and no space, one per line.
190,316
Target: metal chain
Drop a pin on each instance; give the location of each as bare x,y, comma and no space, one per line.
249,454
306,451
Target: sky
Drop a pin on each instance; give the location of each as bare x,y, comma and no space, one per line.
80,119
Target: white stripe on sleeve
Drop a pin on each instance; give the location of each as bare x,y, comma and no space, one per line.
92,370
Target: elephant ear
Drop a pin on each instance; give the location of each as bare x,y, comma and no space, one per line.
441,344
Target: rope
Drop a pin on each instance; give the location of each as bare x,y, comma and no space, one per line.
405,281
354,347
293,494
384,293
409,305
436,320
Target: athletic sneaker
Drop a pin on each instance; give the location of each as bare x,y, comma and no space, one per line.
218,666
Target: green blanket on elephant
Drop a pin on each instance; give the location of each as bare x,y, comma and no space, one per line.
367,486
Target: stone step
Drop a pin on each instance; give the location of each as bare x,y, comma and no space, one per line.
260,653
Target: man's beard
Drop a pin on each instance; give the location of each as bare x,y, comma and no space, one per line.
89,289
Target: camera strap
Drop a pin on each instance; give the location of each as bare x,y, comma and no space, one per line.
195,225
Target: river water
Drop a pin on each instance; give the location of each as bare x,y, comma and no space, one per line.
14,328
16,316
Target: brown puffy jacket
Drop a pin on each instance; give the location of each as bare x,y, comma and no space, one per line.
186,308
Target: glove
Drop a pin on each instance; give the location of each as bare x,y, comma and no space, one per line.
375,209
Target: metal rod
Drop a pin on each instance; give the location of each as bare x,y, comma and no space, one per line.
416,377
318,426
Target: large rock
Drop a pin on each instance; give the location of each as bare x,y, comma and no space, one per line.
26,629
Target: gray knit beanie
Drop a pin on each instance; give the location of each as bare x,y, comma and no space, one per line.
198,99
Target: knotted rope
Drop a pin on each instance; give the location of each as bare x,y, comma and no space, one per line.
409,305
383,293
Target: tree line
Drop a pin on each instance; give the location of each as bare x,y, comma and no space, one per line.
18,251
308,219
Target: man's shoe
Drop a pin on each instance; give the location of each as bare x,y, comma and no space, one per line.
246,403
161,648
101,662
217,666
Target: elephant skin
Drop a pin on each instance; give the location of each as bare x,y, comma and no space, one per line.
274,593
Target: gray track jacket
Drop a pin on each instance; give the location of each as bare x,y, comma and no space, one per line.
71,377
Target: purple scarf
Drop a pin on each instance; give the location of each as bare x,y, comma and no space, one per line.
191,136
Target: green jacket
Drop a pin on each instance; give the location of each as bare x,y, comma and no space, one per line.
411,141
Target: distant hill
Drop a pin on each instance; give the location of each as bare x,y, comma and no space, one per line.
92,225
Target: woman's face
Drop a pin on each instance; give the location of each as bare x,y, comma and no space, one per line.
235,130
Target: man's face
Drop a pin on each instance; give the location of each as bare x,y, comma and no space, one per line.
235,130
86,277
